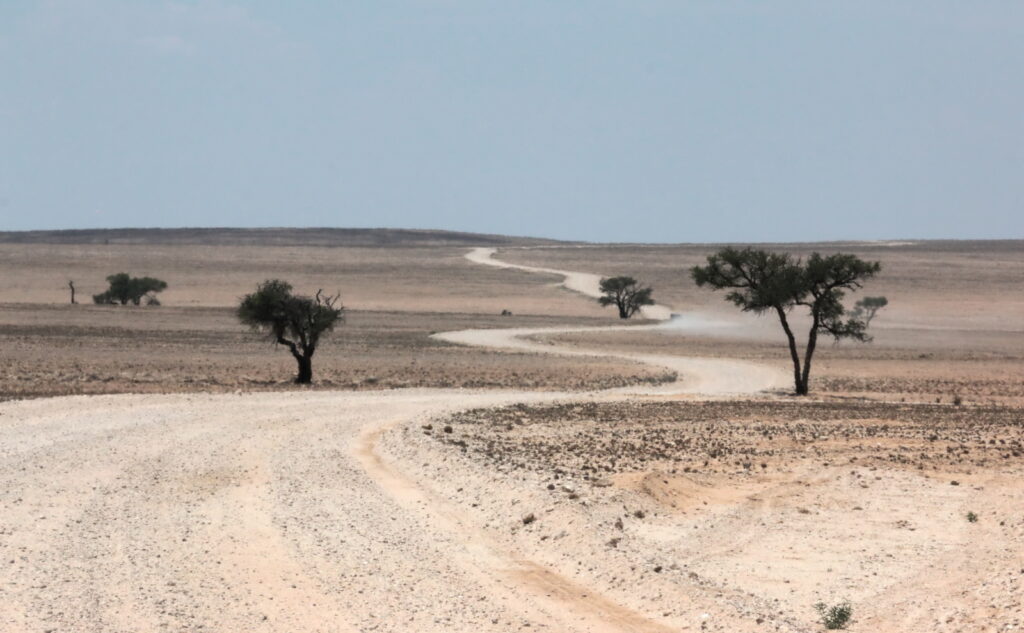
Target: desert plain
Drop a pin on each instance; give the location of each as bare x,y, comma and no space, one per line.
456,469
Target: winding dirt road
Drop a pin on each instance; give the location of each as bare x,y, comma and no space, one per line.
274,512
587,284
701,376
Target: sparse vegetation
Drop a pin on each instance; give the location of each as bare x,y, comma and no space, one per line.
972,517
626,294
837,616
295,321
125,289
760,281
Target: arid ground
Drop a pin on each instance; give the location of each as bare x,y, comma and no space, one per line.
453,469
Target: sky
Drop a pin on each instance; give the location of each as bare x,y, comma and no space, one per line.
628,120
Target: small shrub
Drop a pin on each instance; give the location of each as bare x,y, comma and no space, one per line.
972,517
957,400
835,617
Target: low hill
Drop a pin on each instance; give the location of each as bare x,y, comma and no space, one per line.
269,237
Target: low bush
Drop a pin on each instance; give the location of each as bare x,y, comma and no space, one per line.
837,616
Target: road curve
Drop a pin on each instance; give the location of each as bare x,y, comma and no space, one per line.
697,375
268,512
587,284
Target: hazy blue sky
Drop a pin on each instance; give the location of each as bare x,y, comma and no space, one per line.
631,120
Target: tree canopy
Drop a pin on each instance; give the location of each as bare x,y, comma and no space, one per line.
759,281
626,294
126,289
295,321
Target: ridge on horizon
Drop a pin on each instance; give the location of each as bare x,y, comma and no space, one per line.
271,236
381,236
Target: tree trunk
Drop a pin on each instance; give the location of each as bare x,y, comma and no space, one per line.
303,358
812,341
71,285
305,369
799,384
623,314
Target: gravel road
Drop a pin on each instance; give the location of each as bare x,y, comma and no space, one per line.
269,512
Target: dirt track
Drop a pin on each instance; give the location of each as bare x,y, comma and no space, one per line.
265,512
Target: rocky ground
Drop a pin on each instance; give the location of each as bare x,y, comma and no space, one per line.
591,440
750,512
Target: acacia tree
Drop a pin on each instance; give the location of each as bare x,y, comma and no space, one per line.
124,289
626,294
868,307
761,281
295,321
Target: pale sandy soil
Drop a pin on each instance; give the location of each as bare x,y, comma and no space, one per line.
358,511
